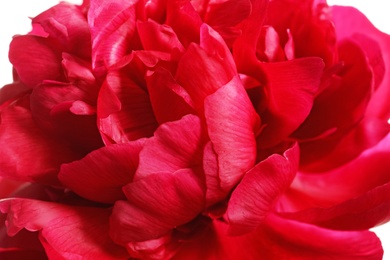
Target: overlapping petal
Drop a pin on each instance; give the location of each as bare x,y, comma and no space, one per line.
65,231
101,175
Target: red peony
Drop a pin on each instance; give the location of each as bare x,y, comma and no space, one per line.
164,129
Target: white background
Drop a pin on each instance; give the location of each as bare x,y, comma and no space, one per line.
14,20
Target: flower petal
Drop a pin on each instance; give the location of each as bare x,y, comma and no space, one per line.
280,239
349,21
107,169
257,192
174,146
156,204
28,154
69,232
232,124
67,25
112,23
34,60
290,91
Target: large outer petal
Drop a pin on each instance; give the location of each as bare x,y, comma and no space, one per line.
349,21
101,175
65,231
352,180
35,60
112,23
174,146
28,154
254,197
290,89
279,239
156,204
68,27
205,68
364,212
232,124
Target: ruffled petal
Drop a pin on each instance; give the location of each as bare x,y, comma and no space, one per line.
156,204
354,179
290,90
206,67
280,238
68,232
169,100
124,109
28,154
112,23
364,212
349,21
253,198
174,146
68,27
232,124
107,169
34,60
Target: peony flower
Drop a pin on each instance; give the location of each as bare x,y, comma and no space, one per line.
196,130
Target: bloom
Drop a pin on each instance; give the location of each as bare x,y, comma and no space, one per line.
196,130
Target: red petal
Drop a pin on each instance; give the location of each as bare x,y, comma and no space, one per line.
349,21
107,169
364,212
28,154
175,145
290,91
158,37
280,239
69,232
112,23
223,16
204,69
156,204
232,124
67,25
256,194
169,100
344,183
124,108
34,60
58,108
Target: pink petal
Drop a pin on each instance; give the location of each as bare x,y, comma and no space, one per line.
290,91
112,23
364,212
204,69
352,180
244,48
349,21
28,154
223,16
280,239
256,194
58,108
169,100
174,146
232,124
156,204
158,37
184,20
69,232
107,169
124,108
67,25
34,60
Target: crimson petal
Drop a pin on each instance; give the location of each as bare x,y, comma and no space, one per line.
257,192
65,231
107,169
